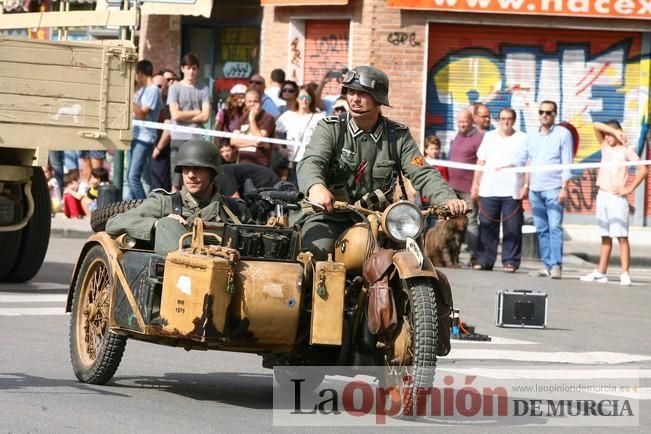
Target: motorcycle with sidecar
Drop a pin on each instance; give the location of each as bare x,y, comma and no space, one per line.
377,301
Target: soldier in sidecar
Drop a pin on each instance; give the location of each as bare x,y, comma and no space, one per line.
163,218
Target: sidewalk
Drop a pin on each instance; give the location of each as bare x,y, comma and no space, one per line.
581,241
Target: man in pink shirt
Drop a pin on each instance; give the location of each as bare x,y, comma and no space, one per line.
463,149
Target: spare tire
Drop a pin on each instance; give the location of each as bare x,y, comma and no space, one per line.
99,218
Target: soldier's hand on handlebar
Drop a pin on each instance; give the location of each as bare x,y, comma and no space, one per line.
320,195
457,206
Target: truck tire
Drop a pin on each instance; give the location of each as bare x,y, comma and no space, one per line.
10,242
30,252
95,351
99,218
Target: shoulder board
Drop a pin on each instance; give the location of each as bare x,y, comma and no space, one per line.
161,191
398,125
331,119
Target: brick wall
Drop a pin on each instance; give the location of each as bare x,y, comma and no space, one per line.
371,24
160,41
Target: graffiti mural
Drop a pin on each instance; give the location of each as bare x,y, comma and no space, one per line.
593,76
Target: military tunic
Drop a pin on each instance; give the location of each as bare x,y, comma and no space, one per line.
365,165
149,221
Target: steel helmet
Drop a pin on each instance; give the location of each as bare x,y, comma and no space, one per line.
199,153
367,79
354,246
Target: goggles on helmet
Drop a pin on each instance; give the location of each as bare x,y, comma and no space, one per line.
363,79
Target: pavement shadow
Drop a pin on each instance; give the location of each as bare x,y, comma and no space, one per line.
55,272
250,390
23,381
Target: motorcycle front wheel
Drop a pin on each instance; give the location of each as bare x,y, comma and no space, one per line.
411,365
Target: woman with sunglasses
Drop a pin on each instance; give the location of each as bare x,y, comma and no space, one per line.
288,93
298,126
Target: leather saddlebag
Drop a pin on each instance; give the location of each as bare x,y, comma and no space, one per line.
381,308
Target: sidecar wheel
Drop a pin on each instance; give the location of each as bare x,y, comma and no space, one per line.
413,362
95,352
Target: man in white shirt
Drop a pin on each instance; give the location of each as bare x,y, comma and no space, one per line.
500,195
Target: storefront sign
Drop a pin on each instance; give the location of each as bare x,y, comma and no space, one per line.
302,2
628,9
237,69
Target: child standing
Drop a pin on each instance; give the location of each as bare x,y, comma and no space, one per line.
54,188
612,201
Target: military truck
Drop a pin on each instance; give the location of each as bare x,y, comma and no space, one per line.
60,96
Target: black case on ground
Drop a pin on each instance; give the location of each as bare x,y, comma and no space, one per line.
521,308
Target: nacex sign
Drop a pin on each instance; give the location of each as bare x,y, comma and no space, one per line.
628,9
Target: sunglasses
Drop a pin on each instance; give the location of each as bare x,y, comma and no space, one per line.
255,82
546,112
339,109
289,90
305,97
170,79
506,119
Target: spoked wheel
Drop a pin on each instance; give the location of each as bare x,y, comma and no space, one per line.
411,364
95,352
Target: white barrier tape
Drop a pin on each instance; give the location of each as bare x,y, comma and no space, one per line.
444,163
211,133
541,168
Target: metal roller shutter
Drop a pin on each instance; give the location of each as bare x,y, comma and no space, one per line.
592,75
326,48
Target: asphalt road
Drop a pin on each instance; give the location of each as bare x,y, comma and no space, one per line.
160,389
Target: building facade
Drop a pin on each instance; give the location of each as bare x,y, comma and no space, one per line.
590,57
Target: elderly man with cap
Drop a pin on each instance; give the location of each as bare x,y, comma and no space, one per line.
163,218
352,156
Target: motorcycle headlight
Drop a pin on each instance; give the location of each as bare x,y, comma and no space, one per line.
402,220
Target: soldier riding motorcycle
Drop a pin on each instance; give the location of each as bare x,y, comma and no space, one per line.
372,299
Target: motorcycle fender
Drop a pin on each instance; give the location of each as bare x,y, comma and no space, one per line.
113,253
407,266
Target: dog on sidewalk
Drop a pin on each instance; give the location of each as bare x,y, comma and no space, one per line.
443,241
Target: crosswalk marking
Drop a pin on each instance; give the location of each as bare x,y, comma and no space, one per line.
33,298
587,358
41,286
551,372
13,303
495,340
19,311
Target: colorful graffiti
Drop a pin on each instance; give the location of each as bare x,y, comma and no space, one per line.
593,76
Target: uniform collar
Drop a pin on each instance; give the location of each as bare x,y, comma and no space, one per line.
193,202
376,134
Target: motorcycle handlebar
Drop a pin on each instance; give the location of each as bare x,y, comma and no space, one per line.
284,196
439,212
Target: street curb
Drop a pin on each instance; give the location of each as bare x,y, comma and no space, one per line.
69,233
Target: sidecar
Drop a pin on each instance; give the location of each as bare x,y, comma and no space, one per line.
244,294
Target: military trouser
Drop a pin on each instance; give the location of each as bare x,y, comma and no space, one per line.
168,233
320,231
